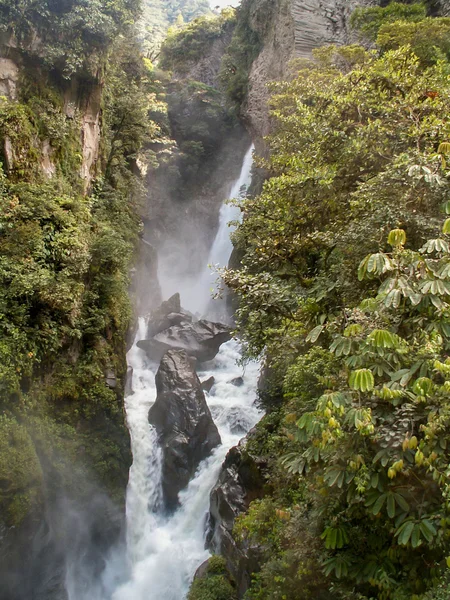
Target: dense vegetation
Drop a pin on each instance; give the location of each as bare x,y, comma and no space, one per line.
184,47
214,584
65,257
70,35
160,15
345,289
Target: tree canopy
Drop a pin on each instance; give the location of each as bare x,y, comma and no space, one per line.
345,289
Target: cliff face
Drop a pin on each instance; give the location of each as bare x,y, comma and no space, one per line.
78,97
290,29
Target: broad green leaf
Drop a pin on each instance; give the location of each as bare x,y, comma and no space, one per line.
390,506
446,227
404,532
397,237
415,537
314,334
362,380
376,509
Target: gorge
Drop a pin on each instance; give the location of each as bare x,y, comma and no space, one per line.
287,439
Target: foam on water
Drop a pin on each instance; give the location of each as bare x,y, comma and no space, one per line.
162,552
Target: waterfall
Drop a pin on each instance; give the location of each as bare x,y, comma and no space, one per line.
162,552
196,291
165,551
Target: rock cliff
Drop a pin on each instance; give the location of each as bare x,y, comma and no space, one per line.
290,29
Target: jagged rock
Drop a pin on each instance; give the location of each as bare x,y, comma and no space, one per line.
9,76
237,381
202,570
182,419
159,318
178,318
240,482
238,421
208,383
201,340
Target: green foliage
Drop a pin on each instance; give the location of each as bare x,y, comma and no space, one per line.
160,15
430,38
64,264
71,35
244,47
20,471
199,123
345,288
370,20
214,584
187,45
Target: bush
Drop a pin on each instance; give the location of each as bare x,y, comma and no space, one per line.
214,584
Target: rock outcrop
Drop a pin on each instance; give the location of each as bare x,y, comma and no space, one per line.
290,29
172,329
182,419
240,482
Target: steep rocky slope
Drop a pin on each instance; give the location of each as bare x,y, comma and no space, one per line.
290,29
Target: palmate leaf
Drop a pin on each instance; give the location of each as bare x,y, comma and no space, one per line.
436,245
335,476
436,287
362,380
397,237
335,537
342,346
412,532
393,299
294,462
376,501
375,264
314,334
446,227
381,338
444,148
339,564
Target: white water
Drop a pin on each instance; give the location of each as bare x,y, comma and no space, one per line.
163,552
166,551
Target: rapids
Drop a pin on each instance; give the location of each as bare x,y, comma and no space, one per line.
162,551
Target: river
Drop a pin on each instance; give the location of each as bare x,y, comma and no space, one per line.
162,551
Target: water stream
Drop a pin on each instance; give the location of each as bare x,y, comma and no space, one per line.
163,552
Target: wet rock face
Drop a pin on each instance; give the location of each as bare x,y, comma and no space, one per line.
173,329
240,482
182,419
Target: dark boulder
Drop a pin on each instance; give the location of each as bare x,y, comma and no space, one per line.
178,318
201,340
159,318
182,419
240,482
208,383
237,381
154,350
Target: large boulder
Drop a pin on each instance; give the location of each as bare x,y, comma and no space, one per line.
241,481
201,339
182,419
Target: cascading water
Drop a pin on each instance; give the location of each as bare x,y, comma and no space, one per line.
196,293
164,551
